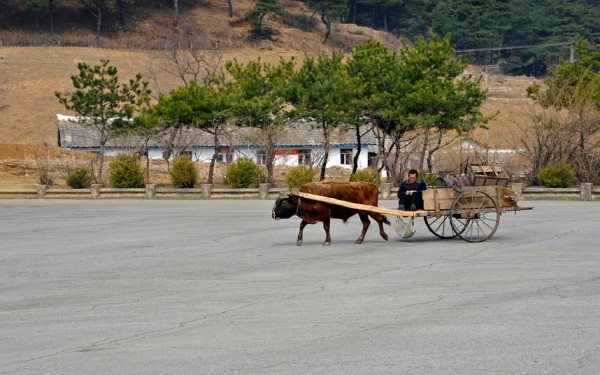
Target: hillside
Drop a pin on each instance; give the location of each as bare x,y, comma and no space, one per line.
30,75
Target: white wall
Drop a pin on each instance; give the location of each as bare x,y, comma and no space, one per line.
204,154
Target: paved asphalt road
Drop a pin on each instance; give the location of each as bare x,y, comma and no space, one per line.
218,287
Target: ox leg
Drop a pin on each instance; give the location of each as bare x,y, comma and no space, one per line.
366,222
326,226
301,233
379,220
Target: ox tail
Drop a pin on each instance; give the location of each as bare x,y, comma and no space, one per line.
385,220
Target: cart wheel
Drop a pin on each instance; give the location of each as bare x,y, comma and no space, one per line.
474,216
453,182
442,227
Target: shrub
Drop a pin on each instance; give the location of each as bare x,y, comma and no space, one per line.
125,172
243,173
299,175
80,178
557,174
183,173
429,178
45,175
366,174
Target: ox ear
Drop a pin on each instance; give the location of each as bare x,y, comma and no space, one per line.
282,197
293,198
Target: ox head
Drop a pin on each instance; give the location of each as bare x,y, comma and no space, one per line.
285,207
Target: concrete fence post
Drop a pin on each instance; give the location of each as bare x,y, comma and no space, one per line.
586,191
263,190
96,190
41,191
206,188
386,190
150,191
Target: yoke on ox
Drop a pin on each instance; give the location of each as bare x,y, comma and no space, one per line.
312,212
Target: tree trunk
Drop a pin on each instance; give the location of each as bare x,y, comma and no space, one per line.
385,17
395,171
51,15
326,147
103,140
147,165
175,12
98,25
358,149
170,145
211,168
373,15
259,24
270,151
424,148
327,21
121,7
230,8
324,165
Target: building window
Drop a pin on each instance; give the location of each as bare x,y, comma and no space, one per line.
261,157
371,159
346,156
224,157
304,157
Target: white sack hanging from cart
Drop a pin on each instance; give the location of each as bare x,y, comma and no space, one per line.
405,229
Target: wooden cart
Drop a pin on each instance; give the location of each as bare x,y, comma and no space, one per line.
473,213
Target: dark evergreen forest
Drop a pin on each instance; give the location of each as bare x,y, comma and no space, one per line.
524,37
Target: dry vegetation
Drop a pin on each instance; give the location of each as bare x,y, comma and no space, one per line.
30,76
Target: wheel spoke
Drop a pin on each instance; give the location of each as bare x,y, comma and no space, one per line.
440,226
474,216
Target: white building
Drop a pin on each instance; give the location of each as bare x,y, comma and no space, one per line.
299,143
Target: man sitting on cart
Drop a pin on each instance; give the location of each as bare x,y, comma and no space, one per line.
410,192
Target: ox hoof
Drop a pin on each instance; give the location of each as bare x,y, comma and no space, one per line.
385,237
358,242
298,243
326,243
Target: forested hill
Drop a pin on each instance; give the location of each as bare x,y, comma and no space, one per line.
524,37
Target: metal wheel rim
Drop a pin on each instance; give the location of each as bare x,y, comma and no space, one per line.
441,226
453,182
482,219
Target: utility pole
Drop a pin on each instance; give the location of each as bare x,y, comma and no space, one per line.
485,69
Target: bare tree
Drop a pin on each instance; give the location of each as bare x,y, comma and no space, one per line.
98,8
555,135
186,65
391,144
433,141
569,117
190,67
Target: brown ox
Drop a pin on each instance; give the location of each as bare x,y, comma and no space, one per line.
312,212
